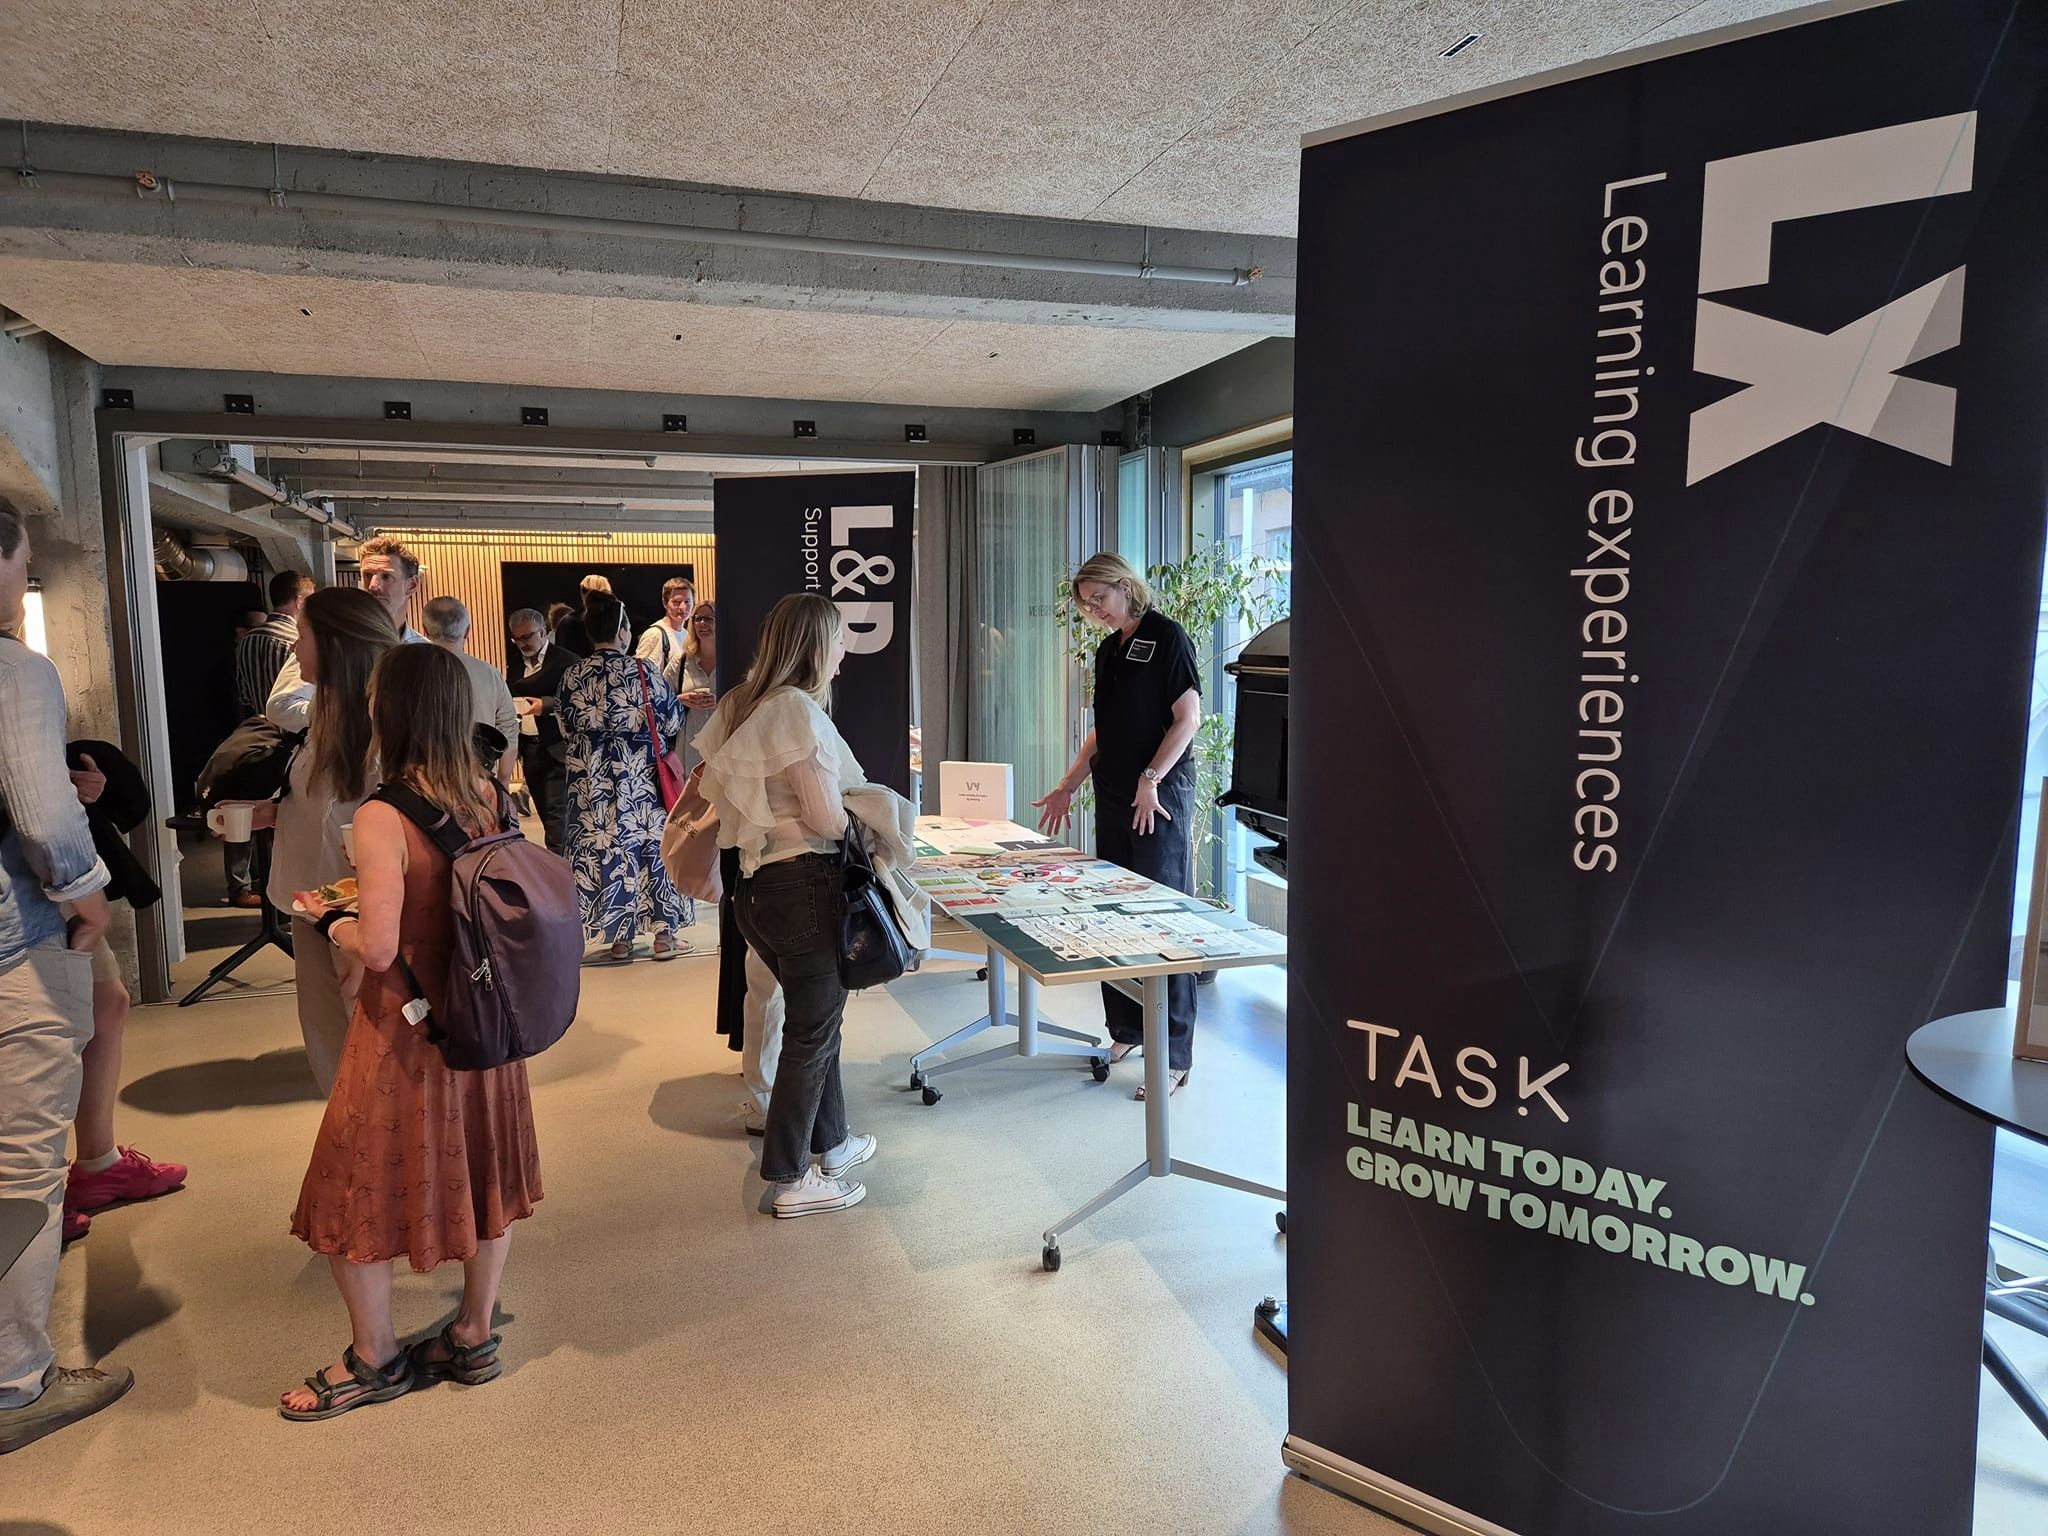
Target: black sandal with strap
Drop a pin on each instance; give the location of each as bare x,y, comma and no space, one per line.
470,1364
377,1384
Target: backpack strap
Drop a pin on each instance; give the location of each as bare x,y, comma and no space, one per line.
442,829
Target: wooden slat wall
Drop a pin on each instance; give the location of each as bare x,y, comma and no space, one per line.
464,563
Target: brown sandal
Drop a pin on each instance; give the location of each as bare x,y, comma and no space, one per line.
365,1384
470,1364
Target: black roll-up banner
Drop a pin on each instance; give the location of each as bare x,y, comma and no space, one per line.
846,537
1669,491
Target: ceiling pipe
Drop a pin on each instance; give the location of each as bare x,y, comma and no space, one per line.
149,187
220,464
174,562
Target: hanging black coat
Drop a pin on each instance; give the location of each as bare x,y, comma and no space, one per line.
122,806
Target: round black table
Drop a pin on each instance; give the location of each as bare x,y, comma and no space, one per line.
1968,1056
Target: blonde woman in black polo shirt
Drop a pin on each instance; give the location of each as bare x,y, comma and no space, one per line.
1148,704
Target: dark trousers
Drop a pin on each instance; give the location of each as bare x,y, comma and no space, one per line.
1163,855
547,779
247,864
789,913
732,956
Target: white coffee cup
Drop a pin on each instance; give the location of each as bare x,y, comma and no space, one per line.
231,823
348,844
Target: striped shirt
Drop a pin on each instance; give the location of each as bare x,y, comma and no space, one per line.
259,656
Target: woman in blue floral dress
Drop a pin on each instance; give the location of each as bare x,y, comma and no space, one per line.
615,809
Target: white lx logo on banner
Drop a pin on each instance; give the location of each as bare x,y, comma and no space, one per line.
1848,377
870,621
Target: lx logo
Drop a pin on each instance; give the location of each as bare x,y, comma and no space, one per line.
1848,378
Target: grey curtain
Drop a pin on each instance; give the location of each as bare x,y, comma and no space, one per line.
948,541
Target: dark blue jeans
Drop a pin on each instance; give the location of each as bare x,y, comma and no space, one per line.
789,914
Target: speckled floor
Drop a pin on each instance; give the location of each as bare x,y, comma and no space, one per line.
679,1362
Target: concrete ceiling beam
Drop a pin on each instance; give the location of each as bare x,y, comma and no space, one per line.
314,478
581,520
321,213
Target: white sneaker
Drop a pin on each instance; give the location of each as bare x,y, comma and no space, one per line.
850,1153
814,1193
754,1117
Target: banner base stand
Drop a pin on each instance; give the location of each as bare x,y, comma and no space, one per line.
1368,1487
1269,1317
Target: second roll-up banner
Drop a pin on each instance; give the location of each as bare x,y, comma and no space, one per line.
1670,479
846,537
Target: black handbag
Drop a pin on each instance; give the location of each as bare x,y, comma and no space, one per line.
872,949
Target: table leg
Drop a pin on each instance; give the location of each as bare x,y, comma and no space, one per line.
1031,1032
1116,1191
2017,1387
1158,1154
958,1037
1027,1014
1071,1034
992,1018
998,990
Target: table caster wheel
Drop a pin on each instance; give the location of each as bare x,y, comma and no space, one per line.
932,1096
1100,1068
1280,1221
982,974
917,1080
1051,1257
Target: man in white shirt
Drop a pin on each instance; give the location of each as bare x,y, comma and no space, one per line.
662,641
391,574
447,621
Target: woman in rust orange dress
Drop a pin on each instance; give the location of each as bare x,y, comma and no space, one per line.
414,1160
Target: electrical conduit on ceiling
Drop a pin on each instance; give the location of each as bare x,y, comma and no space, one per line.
151,188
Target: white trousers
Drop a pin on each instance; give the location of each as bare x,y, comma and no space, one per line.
45,1022
761,1026
328,982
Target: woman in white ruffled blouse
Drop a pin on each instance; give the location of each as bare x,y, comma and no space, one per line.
775,768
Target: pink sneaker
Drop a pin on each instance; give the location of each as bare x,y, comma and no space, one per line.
132,1177
76,1225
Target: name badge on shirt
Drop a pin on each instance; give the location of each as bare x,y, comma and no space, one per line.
1141,650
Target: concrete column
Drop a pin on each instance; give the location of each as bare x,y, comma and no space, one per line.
49,467
71,555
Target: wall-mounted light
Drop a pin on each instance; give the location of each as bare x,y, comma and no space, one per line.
33,635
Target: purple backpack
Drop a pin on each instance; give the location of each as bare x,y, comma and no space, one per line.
515,968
